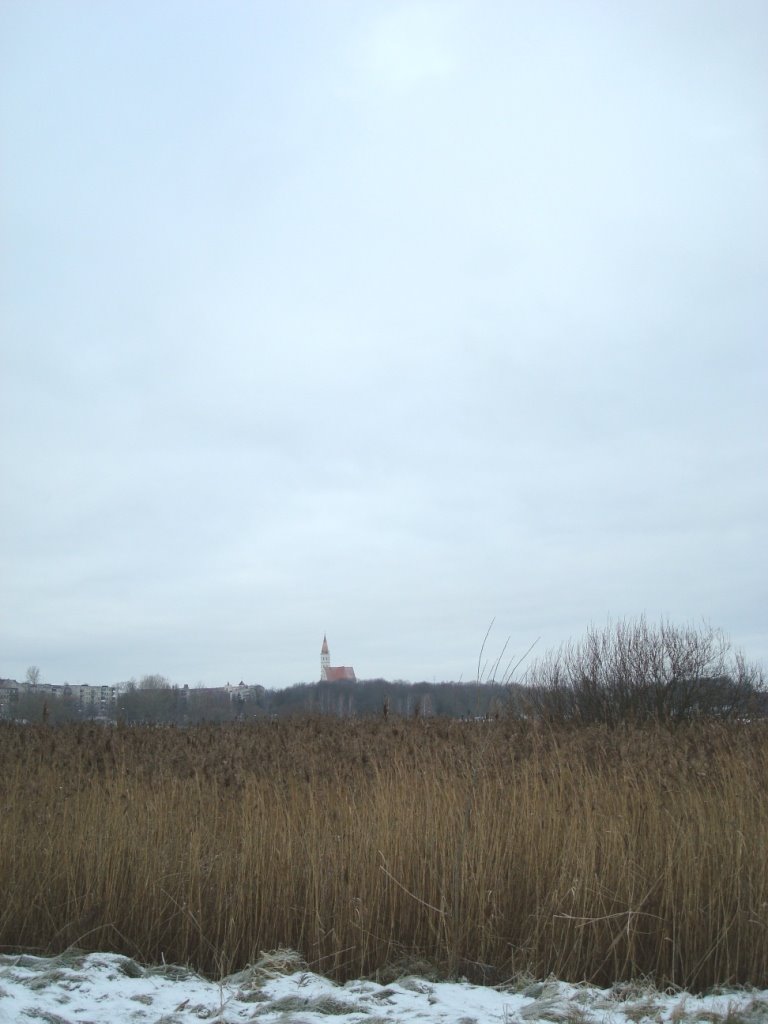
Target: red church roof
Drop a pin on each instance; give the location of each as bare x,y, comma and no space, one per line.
340,674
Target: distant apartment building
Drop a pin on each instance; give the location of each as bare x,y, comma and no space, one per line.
9,695
243,691
98,699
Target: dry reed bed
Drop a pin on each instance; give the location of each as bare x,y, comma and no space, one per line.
487,849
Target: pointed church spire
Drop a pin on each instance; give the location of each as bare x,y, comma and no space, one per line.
325,659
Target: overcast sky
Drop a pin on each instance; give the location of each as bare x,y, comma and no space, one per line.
381,320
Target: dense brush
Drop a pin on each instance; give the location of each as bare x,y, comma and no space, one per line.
486,849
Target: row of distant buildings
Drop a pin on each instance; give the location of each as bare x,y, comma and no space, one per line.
96,700
104,700
92,697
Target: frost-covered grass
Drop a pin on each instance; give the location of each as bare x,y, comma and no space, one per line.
376,848
101,988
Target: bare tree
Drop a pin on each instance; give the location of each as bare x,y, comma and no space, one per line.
154,682
637,671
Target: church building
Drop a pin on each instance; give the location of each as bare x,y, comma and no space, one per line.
334,674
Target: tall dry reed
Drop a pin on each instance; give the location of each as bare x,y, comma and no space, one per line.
484,849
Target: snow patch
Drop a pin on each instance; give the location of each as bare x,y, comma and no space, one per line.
103,988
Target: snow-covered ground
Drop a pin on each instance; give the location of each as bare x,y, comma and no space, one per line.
102,988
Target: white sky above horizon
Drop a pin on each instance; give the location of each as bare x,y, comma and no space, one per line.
383,320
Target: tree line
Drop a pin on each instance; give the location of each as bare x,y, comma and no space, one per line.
628,671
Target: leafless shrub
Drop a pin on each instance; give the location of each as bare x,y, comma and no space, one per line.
634,671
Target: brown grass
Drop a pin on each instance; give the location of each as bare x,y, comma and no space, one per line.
485,849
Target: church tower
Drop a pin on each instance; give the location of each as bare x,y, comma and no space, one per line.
325,659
